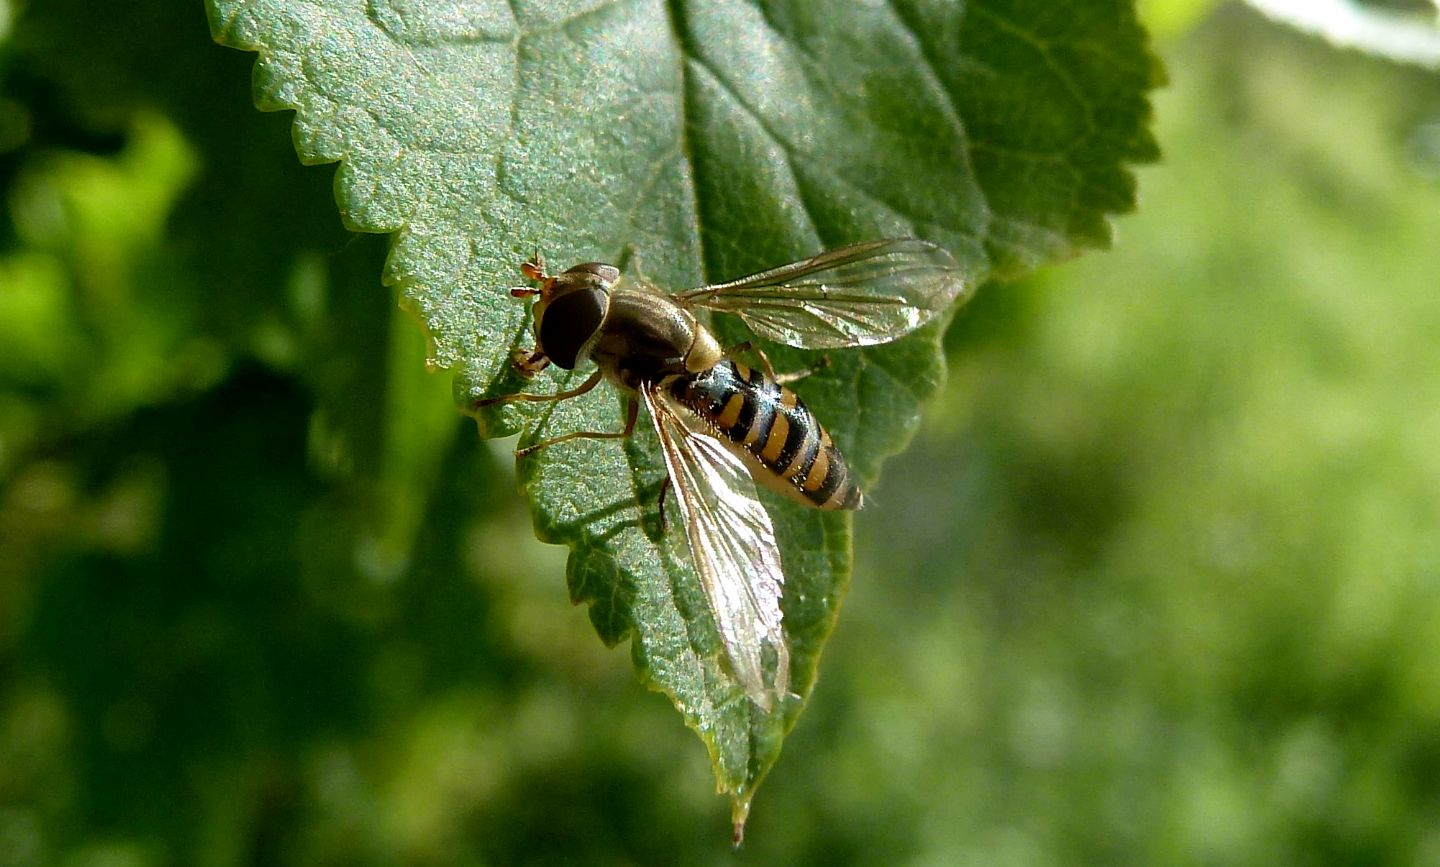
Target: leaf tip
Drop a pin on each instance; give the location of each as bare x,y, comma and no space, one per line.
739,812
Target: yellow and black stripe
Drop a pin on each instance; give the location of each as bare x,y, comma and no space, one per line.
772,425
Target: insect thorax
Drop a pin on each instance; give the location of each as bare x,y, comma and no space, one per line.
645,337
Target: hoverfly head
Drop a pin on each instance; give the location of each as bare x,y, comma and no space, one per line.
570,310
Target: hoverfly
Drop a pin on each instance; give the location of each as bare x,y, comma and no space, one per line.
722,425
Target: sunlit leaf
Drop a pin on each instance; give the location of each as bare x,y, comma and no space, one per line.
711,139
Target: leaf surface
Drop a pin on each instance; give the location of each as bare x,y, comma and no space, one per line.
711,139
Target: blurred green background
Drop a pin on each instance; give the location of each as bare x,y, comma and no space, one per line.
1159,581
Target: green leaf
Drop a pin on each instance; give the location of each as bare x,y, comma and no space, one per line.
714,139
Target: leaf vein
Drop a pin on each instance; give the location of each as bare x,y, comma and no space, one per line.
675,18
929,69
1044,50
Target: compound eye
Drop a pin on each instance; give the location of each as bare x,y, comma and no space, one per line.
569,322
607,274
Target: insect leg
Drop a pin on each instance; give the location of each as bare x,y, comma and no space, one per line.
631,413
759,353
529,364
534,268
664,488
820,364
583,387
630,263
769,368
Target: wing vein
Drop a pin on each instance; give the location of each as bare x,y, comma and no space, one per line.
732,546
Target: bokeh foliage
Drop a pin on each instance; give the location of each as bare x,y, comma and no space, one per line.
1157,583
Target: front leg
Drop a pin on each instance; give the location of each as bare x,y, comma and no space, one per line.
580,389
632,411
529,364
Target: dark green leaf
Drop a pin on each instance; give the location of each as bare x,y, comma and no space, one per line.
712,138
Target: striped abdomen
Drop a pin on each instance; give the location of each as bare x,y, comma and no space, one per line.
769,427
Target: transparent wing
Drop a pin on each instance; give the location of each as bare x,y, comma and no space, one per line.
854,296
732,543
